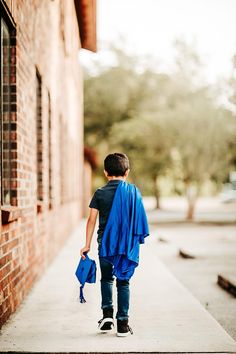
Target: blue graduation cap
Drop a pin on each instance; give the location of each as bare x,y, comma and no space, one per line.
86,273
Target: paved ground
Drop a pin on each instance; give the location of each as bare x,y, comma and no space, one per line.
164,315
208,210
215,251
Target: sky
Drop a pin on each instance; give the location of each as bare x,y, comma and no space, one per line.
149,28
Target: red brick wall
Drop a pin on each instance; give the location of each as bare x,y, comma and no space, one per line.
87,187
47,41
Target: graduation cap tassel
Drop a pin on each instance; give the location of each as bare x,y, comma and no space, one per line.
81,295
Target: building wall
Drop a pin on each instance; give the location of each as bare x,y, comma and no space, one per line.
87,187
47,45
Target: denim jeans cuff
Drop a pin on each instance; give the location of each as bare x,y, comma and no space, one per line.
122,318
107,307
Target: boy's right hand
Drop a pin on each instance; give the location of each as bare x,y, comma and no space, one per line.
84,250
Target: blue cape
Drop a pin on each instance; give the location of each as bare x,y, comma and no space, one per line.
125,230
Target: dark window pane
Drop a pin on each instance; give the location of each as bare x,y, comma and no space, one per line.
39,137
5,115
50,194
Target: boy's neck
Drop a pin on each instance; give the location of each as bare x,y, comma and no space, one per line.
111,178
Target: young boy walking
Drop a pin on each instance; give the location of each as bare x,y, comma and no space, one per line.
122,228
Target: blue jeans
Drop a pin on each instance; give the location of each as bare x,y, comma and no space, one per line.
123,293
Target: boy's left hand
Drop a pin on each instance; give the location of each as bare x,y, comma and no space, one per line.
84,250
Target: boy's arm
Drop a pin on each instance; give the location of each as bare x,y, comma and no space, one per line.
91,222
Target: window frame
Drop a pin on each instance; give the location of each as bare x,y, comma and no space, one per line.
50,181
39,139
7,21
9,212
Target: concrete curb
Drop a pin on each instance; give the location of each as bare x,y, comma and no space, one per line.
227,283
186,254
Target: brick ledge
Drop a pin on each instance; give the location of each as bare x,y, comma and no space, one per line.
10,214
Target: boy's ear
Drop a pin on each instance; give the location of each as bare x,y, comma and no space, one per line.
105,173
127,173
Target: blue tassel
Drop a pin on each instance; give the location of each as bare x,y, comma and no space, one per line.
81,295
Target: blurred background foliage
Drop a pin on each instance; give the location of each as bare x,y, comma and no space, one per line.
179,136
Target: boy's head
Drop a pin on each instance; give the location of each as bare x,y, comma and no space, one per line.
116,165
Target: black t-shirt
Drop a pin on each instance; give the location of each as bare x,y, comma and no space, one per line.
102,201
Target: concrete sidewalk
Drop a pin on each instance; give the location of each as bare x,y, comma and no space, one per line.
164,316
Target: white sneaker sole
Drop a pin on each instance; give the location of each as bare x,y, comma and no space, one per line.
105,320
123,334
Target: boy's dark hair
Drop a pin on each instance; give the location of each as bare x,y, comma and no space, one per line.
116,164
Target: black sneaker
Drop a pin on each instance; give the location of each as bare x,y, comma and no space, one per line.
123,329
106,324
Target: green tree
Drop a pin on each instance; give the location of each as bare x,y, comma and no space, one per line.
150,115
232,126
201,126
121,103
111,96
148,146
202,142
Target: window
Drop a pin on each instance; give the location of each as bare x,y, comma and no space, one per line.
8,143
39,146
50,194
